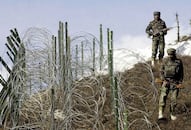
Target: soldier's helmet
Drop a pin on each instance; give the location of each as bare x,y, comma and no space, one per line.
171,51
156,13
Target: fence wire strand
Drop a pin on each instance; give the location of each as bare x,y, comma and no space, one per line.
89,96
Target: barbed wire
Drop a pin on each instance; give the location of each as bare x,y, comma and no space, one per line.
87,104
138,94
87,95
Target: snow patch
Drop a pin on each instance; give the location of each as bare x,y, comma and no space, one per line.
125,59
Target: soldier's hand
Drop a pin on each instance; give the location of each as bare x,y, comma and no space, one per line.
158,80
179,86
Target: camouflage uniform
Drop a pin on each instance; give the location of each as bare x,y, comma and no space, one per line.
172,75
158,40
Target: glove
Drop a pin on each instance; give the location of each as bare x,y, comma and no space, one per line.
158,80
179,86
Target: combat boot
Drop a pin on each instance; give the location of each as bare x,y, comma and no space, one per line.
153,62
173,117
160,114
172,112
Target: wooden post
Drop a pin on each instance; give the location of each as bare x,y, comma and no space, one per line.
2,81
14,40
54,55
9,48
64,70
69,66
12,45
178,28
16,81
82,59
101,47
113,81
10,57
110,64
68,75
15,37
116,99
125,123
76,67
52,108
67,53
5,64
108,47
110,34
94,68
61,52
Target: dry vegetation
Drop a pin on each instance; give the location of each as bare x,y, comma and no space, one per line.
91,103
86,103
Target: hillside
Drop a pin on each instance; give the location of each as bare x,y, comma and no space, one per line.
59,98
183,107
91,103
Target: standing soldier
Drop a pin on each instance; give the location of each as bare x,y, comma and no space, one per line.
172,77
157,29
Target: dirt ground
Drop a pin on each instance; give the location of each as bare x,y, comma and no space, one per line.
139,100
139,76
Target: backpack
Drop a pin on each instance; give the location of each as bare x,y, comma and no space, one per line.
172,69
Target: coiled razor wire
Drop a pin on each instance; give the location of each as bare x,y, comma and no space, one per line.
86,39
89,96
138,96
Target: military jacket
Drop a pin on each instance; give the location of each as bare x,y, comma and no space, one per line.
172,69
156,26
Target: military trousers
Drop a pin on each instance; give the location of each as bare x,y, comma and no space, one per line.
158,44
166,89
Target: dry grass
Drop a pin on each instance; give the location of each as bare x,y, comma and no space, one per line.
91,103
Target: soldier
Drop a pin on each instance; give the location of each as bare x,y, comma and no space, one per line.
156,29
172,77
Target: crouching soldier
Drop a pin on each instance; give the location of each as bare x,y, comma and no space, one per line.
172,77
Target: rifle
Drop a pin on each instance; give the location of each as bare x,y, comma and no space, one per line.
160,82
157,32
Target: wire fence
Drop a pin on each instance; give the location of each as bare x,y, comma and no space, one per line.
58,86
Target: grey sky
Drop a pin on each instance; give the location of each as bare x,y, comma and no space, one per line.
127,18
124,17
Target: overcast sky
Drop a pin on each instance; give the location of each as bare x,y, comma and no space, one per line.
127,18
124,17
